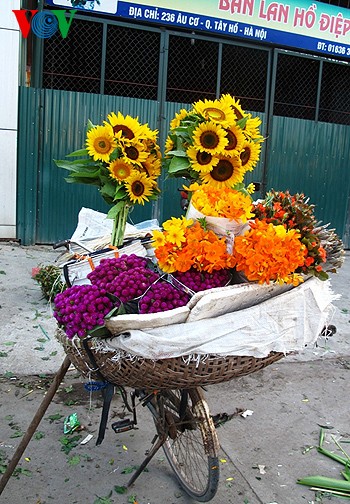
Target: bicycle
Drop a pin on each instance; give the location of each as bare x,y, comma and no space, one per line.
184,427
185,431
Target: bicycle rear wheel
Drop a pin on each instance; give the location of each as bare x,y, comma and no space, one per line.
191,445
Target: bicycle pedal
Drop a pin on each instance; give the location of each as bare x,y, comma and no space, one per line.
123,425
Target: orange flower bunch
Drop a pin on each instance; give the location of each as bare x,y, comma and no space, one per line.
294,211
270,253
225,202
184,245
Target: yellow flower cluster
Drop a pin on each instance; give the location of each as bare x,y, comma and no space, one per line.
184,245
129,151
269,253
216,142
225,202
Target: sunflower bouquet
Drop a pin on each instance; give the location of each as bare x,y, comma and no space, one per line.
123,159
216,142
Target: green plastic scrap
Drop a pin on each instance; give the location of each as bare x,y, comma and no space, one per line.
71,423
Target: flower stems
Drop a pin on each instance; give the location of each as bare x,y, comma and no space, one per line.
119,224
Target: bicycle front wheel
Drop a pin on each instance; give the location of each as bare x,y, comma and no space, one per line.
192,445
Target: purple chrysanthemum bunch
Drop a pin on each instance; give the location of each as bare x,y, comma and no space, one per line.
202,280
109,269
126,277
80,308
162,296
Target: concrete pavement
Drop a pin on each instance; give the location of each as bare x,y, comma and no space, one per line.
262,455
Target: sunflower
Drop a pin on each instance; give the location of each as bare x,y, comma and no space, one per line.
227,172
216,111
210,137
229,101
148,135
139,187
169,145
152,166
251,128
100,143
124,127
178,118
250,155
120,170
201,161
235,139
134,153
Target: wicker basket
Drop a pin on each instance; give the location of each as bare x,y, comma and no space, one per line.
160,374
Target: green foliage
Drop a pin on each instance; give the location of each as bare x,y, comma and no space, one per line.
49,279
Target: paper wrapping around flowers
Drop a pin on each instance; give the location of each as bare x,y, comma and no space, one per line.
284,321
220,225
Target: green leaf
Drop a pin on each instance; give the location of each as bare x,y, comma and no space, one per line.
56,416
90,125
79,180
346,473
103,500
39,435
68,443
120,489
80,152
87,174
129,470
72,461
120,192
242,122
20,470
112,313
177,152
114,211
77,165
334,456
108,190
178,164
322,275
100,332
16,434
321,438
115,154
325,482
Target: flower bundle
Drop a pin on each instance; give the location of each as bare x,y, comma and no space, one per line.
49,279
81,308
294,212
226,202
124,284
216,142
183,245
123,160
269,252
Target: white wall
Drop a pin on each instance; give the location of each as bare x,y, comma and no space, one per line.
9,61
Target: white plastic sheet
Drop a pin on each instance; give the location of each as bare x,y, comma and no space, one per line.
286,322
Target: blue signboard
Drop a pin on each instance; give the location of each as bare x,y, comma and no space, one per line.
300,24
